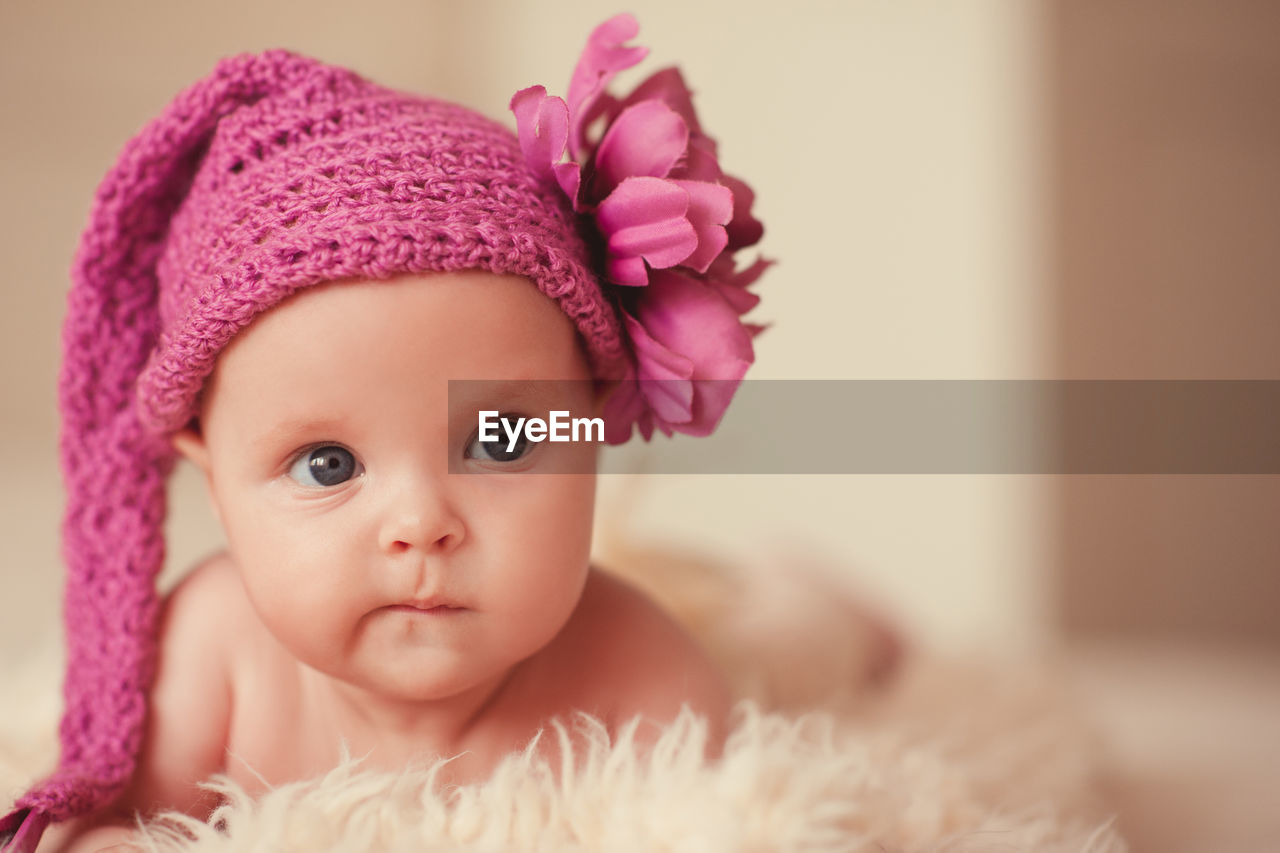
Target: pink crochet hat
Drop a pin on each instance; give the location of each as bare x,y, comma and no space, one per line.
277,172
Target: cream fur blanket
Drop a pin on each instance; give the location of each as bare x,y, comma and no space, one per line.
949,757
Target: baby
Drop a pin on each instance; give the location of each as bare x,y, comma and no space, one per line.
371,597
279,278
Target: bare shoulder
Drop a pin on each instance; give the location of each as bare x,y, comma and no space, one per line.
647,663
213,581
206,620
189,705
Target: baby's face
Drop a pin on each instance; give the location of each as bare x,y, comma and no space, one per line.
327,444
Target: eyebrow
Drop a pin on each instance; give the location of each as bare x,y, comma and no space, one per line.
293,427
518,390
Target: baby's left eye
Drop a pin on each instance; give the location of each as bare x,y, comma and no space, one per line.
324,467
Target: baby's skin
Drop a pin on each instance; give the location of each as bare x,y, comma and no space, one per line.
388,585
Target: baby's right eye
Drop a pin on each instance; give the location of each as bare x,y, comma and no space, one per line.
324,467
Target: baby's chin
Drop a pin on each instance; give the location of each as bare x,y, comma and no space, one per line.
423,674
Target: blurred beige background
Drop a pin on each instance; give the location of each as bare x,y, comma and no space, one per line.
992,189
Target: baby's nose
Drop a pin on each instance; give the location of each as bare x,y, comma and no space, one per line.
421,519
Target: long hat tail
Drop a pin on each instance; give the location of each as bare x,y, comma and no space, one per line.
113,467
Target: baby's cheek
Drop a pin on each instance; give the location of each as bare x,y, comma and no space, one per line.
295,611
273,608
550,583
319,641
563,509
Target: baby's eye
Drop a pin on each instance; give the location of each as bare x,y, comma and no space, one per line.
330,465
503,449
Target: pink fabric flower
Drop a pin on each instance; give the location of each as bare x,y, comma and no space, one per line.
668,219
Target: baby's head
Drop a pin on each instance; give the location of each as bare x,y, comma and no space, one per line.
279,276
315,301
338,459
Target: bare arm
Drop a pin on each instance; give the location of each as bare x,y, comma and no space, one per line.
188,711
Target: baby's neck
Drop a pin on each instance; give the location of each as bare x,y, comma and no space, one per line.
391,730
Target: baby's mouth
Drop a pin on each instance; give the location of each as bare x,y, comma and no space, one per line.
428,607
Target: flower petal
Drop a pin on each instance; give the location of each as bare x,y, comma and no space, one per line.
646,140
710,209
667,85
732,285
628,270
686,317
663,375
645,218
740,299
542,125
689,318
603,57
700,163
744,229
569,176
626,406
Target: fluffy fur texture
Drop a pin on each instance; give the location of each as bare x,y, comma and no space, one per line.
781,785
952,757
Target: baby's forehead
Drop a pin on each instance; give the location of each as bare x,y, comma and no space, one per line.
434,326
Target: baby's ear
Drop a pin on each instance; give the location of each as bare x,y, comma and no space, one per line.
189,442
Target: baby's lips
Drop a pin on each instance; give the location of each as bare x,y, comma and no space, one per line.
428,603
